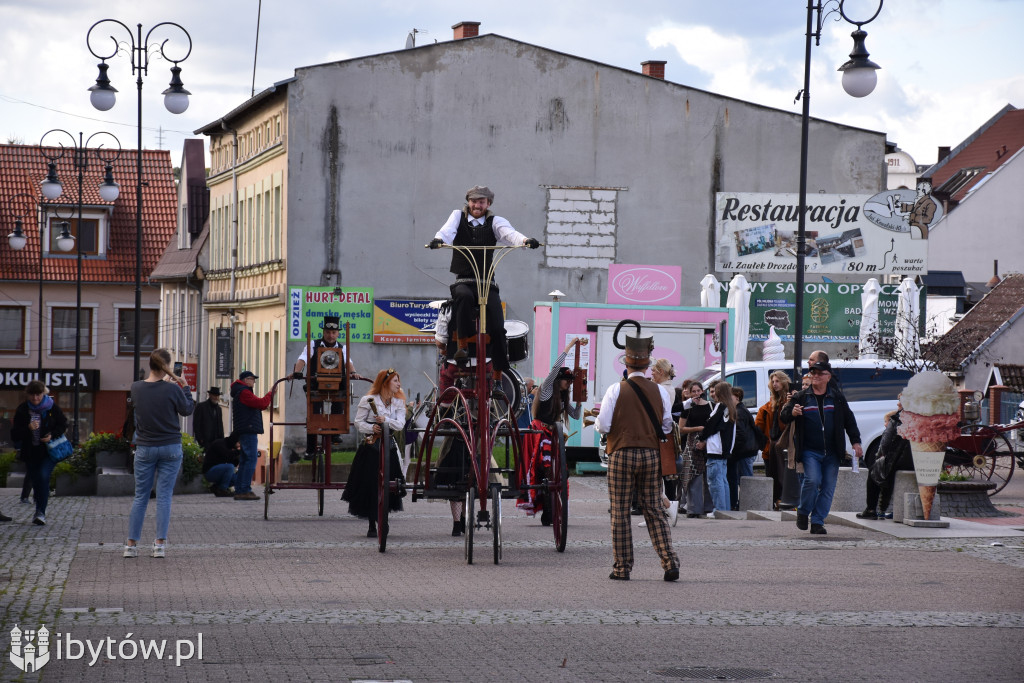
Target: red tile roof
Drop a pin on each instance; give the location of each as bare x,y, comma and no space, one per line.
22,168
987,150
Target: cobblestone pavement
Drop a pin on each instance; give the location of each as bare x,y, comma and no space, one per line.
302,597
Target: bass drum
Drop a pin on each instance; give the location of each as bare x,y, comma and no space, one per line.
517,334
515,389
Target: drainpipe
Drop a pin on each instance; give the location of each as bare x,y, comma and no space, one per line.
234,204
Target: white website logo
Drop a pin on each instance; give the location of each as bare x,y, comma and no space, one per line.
27,655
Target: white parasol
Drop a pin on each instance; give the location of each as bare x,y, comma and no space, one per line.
739,301
710,292
868,346
907,314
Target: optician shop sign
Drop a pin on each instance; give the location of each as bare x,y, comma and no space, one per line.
882,233
831,310
651,285
17,378
353,305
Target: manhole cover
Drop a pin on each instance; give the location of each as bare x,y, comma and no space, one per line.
714,673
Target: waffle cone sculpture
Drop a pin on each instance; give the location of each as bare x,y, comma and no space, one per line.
929,421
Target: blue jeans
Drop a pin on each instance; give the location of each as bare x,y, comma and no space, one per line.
39,471
819,485
163,463
246,463
220,476
718,483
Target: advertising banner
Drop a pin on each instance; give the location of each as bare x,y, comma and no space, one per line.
652,285
190,373
223,362
352,305
884,233
831,310
401,321
62,380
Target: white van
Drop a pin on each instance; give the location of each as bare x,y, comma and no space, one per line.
870,386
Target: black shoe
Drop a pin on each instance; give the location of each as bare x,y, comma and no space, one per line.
672,574
457,528
372,531
691,515
461,357
867,514
615,577
222,493
5,518
635,511
801,522
818,529
545,517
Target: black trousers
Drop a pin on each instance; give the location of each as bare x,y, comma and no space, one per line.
465,311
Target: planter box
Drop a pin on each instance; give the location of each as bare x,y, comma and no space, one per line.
80,486
302,472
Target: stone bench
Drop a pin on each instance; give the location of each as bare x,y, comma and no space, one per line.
850,494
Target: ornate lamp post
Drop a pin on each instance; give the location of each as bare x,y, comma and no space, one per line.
859,80
175,100
17,241
52,189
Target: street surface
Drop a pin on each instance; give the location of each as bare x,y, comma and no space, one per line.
305,598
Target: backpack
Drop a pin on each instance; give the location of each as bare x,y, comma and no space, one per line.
748,439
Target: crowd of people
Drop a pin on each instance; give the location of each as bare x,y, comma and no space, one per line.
717,441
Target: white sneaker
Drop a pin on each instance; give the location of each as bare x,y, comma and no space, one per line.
131,550
158,549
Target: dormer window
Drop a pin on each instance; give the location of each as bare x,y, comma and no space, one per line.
91,237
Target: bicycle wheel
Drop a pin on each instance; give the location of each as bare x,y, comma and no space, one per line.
470,513
496,520
383,496
559,498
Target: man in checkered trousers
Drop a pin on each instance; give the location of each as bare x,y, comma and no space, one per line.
628,412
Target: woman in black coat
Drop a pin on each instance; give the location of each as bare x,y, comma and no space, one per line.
36,422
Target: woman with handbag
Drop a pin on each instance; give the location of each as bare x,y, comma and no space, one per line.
716,438
767,421
384,402
37,422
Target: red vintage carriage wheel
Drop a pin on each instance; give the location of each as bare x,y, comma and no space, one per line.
992,459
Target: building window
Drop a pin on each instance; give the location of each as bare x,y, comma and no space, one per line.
126,330
88,241
12,329
64,331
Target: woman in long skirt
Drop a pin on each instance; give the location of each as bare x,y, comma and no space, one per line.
384,403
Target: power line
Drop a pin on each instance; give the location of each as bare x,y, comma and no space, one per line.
106,122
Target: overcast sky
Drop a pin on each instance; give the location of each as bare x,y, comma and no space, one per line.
947,65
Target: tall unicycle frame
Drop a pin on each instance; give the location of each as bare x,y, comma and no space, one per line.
468,412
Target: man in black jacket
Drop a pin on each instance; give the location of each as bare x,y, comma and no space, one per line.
219,464
822,417
208,423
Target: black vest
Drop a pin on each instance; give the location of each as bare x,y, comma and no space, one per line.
478,236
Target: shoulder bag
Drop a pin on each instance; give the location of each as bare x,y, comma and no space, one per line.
666,443
59,449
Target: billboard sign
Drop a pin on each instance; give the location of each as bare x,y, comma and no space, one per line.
352,305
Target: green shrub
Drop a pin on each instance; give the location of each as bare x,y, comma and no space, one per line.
192,458
7,458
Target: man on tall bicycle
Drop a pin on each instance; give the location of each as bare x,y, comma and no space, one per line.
475,226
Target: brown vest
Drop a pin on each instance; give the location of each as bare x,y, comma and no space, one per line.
631,427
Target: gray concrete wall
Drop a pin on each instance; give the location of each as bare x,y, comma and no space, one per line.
382,148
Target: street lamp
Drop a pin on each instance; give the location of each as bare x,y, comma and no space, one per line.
103,95
859,80
17,241
109,192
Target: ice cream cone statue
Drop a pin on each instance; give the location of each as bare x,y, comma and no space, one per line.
930,421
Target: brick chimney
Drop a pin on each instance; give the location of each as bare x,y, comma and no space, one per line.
943,153
654,69
466,29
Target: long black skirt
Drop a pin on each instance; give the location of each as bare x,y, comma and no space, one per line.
361,488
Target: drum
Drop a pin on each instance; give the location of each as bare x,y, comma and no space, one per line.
517,334
515,389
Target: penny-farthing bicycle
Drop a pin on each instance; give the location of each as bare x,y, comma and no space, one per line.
467,416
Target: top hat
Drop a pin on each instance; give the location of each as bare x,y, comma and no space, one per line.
332,322
214,391
638,349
